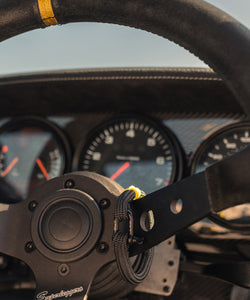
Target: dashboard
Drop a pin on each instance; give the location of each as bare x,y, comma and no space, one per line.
142,127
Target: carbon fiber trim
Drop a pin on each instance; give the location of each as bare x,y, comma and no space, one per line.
193,287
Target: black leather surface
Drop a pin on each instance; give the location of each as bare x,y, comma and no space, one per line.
204,30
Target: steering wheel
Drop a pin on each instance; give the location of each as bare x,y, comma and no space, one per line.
64,231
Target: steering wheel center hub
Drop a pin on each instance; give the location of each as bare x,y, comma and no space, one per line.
63,227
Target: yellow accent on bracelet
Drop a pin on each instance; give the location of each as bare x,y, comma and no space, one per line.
47,13
138,192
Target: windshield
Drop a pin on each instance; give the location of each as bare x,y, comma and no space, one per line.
91,45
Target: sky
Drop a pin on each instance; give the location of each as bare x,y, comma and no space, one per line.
92,45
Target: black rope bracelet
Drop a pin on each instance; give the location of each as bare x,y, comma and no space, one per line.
132,272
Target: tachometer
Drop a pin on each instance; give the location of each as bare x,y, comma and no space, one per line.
132,150
221,144
31,152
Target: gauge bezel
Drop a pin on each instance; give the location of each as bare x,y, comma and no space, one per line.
194,160
43,124
179,154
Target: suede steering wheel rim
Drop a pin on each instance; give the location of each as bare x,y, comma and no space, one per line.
209,33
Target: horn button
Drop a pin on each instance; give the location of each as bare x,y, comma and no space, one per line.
63,227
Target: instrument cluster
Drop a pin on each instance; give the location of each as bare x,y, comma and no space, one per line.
130,149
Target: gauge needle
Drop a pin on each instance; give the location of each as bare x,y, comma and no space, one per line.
42,168
120,170
10,167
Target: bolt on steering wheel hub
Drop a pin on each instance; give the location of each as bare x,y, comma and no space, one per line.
66,225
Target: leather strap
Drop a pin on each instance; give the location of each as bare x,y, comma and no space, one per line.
212,35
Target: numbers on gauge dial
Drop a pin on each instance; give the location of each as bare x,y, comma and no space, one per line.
220,145
223,146
131,151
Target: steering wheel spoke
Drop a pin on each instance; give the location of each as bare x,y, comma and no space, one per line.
14,230
174,208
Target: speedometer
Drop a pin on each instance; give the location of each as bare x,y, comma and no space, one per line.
221,144
132,151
